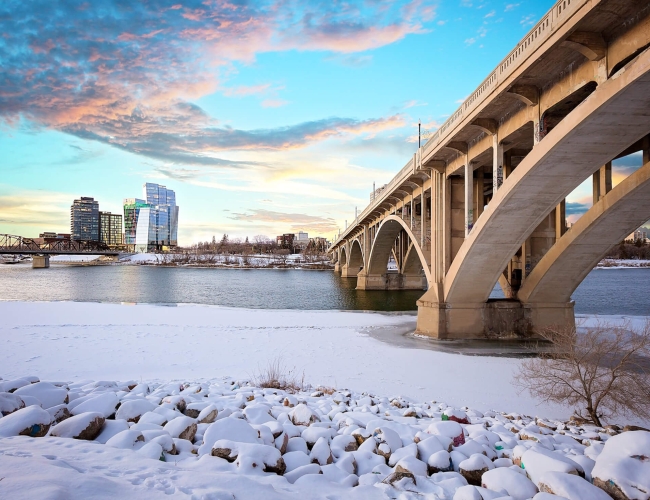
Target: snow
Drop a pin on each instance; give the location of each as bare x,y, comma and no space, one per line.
187,427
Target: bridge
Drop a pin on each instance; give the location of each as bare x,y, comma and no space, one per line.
18,245
483,201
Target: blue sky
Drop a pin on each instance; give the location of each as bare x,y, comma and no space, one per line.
264,117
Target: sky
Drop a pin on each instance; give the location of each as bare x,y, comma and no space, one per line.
264,117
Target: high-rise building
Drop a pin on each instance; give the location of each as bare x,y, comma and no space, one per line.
110,228
152,223
84,219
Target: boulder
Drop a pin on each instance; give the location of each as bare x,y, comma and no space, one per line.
439,462
537,462
303,415
31,421
248,454
570,486
104,403
473,468
182,428
133,409
232,429
47,394
9,403
59,413
125,440
208,414
86,426
321,453
623,467
515,484
449,429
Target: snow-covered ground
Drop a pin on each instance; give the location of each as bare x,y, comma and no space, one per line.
254,260
172,368
623,263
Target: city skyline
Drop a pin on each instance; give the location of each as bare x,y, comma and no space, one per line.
265,119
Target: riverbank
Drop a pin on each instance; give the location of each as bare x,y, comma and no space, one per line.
370,418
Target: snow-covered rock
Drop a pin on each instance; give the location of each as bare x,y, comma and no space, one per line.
473,468
31,421
303,415
132,410
103,403
47,394
182,428
515,484
9,403
81,426
267,458
623,467
570,486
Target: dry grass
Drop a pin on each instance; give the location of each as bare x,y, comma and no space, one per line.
326,390
275,375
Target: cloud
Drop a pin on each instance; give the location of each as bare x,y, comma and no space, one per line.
413,104
274,103
296,222
128,81
576,208
527,21
351,60
511,6
470,41
490,14
30,212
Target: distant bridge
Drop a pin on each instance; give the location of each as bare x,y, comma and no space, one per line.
18,245
483,201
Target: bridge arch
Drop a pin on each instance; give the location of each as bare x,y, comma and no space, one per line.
601,126
383,246
608,222
343,256
355,261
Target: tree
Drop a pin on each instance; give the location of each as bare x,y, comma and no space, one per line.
603,371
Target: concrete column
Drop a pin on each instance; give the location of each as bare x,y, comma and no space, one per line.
560,220
469,203
602,182
497,164
40,261
422,209
478,193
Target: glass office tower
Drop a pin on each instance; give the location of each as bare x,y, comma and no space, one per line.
84,219
151,224
110,228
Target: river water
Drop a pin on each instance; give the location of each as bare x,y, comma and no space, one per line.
604,291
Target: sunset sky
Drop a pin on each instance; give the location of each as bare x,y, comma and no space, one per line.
265,117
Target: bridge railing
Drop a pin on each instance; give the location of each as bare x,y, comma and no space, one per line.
560,13
10,243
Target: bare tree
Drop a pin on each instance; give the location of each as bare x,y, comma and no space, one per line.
603,371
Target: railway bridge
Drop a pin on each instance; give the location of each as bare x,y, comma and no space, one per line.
41,251
483,201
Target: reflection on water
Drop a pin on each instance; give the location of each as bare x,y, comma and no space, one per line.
606,291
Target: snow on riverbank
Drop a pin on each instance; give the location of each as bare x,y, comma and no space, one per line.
227,439
73,341
623,263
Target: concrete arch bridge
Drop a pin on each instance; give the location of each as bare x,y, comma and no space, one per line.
483,201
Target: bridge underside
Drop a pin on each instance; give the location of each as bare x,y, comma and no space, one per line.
483,202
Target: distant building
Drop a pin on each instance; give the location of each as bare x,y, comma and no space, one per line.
151,224
301,236
318,244
286,241
84,219
110,229
640,234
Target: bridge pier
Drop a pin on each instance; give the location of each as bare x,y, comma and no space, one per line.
389,281
495,319
40,261
347,272
337,267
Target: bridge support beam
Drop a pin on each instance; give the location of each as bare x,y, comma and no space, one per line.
495,319
389,281
40,261
337,267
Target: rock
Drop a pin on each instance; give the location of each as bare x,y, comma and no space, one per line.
474,467
47,394
208,415
398,475
623,467
12,385
31,421
439,462
249,455
537,462
104,403
125,440
570,486
133,409
177,401
59,413
345,442
305,470
321,453
110,429
9,403
515,484
295,459
455,415
182,428
449,429
628,428
232,429
412,465
360,435
86,426
303,415
406,451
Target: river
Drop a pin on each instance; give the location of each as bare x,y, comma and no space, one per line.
604,291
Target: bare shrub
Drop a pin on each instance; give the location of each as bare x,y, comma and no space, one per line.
602,372
275,375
